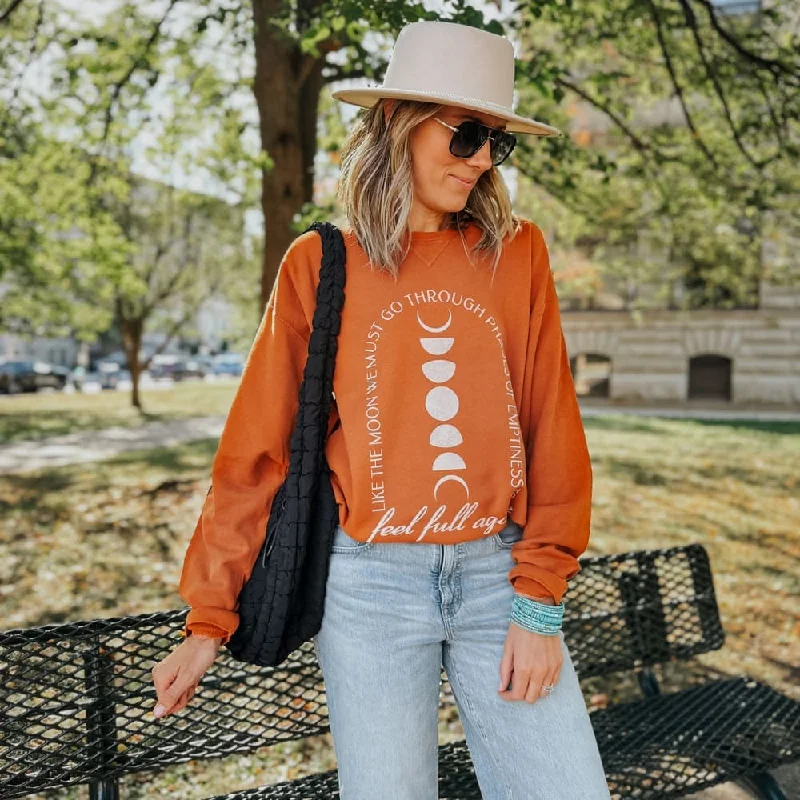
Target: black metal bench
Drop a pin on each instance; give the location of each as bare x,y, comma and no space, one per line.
76,699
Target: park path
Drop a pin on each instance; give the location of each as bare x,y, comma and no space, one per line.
685,412
95,445
82,447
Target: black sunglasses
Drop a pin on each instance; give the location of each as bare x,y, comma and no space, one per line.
470,136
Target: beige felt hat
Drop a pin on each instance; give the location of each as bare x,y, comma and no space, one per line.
445,62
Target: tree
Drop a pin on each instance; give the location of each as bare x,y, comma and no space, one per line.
205,58
281,51
49,276
94,243
184,248
684,132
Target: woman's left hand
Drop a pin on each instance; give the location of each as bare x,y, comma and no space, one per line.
531,660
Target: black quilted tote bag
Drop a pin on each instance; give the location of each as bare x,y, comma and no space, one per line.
281,603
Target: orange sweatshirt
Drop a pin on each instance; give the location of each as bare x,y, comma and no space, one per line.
457,408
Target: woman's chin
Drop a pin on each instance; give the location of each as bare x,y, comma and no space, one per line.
454,206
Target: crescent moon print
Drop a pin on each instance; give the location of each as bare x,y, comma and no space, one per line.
442,403
446,478
436,330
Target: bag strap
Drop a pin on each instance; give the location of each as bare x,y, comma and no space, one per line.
316,389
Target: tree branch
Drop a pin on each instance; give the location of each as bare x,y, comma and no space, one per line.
180,271
677,85
639,144
779,124
119,85
768,64
15,4
161,249
691,21
191,311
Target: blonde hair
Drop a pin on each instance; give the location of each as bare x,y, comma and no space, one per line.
375,189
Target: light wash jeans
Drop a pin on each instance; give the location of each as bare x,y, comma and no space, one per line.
394,612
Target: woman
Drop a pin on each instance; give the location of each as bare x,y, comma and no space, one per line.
456,448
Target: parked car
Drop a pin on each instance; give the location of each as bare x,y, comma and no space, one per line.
189,368
163,365
30,376
229,364
160,369
62,372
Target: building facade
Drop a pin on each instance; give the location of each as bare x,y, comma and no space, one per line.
741,357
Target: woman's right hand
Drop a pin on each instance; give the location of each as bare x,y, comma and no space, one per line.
177,676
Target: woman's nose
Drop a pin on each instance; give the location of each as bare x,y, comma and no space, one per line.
483,158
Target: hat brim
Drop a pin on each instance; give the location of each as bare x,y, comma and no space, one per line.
366,98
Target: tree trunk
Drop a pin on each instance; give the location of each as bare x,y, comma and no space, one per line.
286,87
132,342
309,114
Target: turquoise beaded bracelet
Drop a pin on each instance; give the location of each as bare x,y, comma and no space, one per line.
537,617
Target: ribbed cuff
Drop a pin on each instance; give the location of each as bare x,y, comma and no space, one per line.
204,629
211,621
537,581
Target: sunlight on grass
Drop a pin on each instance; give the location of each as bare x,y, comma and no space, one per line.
35,416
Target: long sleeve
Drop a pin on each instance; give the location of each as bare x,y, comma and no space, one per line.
251,462
559,472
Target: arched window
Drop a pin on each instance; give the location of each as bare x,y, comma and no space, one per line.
710,377
591,374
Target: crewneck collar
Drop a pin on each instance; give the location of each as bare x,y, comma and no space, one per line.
428,236
432,236
429,245
424,237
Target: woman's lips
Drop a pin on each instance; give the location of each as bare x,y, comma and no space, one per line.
465,184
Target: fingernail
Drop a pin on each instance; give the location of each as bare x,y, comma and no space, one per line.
159,710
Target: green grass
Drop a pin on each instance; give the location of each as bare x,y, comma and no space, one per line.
36,416
733,487
83,541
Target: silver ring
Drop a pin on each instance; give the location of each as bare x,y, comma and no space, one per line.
548,687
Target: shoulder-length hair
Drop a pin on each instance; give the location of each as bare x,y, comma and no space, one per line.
375,189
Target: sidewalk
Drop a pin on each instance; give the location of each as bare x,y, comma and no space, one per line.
595,409
85,446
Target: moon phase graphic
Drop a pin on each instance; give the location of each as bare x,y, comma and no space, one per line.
449,478
438,346
431,329
446,436
442,404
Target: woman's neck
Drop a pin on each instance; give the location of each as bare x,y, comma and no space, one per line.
426,221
